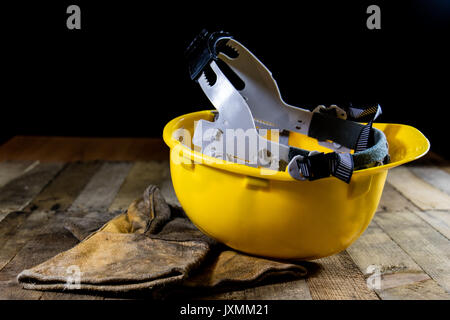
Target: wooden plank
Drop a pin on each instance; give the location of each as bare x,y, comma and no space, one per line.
393,201
102,188
428,248
433,159
65,188
12,169
168,192
36,251
76,179
26,248
424,290
141,175
11,290
90,205
57,195
9,225
73,295
291,290
33,225
95,197
18,193
95,202
376,248
106,177
421,193
434,176
376,252
3,215
68,149
338,278
440,220
15,149
392,280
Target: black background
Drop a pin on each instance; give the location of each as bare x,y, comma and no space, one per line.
124,73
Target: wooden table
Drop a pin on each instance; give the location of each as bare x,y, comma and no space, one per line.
407,243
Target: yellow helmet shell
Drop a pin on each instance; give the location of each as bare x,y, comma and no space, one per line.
270,214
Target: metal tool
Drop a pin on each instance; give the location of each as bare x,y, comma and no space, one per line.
233,135
249,104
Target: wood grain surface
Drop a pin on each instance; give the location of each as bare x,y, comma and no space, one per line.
45,182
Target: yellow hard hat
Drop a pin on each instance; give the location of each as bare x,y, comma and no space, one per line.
276,215
293,203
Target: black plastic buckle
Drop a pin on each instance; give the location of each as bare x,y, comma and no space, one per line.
202,51
317,165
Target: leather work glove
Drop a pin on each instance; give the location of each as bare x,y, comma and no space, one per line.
152,249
